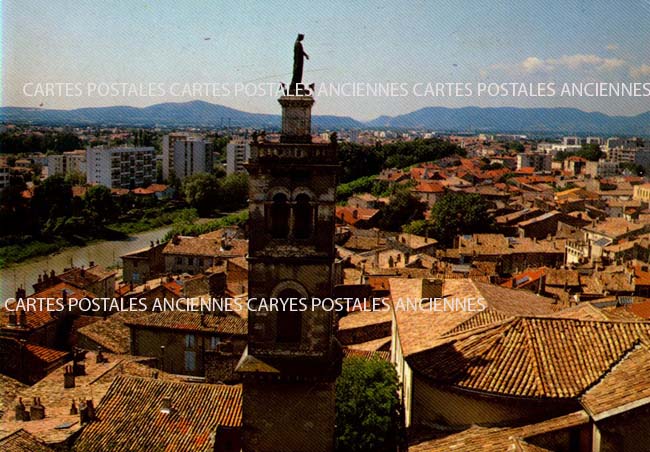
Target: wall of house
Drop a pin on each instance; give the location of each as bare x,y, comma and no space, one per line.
439,405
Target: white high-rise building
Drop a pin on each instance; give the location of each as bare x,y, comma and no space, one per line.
168,143
238,151
192,156
121,167
67,163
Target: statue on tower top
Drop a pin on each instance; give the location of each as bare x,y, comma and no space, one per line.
298,60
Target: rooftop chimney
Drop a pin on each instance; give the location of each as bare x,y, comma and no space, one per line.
166,407
12,318
22,318
21,413
432,288
37,410
68,377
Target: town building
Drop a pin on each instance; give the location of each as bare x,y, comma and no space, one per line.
121,167
238,152
538,161
179,339
67,163
191,156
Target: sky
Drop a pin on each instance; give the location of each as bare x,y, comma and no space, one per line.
170,44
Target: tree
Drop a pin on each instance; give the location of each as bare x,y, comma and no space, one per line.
459,213
234,191
402,208
75,178
367,406
203,192
99,203
52,198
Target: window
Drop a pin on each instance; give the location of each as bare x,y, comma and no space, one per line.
279,217
303,214
289,322
179,260
190,360
189,341
213,342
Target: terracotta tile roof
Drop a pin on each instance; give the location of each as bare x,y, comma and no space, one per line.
142,191
478,320
155,188
45,354
587,311
532,357
423,329
495,439
206,246
615,227
112,334
627,382
130,416
352,215
10,388
641,310
22,441
56,400
192,321
429,187
37,318
366,354
82,278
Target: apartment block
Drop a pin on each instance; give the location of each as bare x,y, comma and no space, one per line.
238,152
121,167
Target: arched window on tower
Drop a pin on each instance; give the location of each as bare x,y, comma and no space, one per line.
279,216
303,217
289,322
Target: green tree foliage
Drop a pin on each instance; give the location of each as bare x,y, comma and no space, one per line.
589,152
457,214
75,178
99,204
52,199
402,209
633,168
358,161
367,407
207,193
234,191
24,143
515,146
202,191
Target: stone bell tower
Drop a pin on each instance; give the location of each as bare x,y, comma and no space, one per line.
292,360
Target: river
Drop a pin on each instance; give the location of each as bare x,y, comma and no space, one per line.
105,253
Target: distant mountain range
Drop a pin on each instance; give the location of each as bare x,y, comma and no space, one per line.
204,114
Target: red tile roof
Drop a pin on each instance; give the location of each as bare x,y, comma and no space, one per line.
429,187
532,356
22,441
192,321
130,417
48,355
352,215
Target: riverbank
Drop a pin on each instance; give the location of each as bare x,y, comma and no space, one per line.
149,220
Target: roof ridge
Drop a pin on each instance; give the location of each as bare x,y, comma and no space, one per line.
638,344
